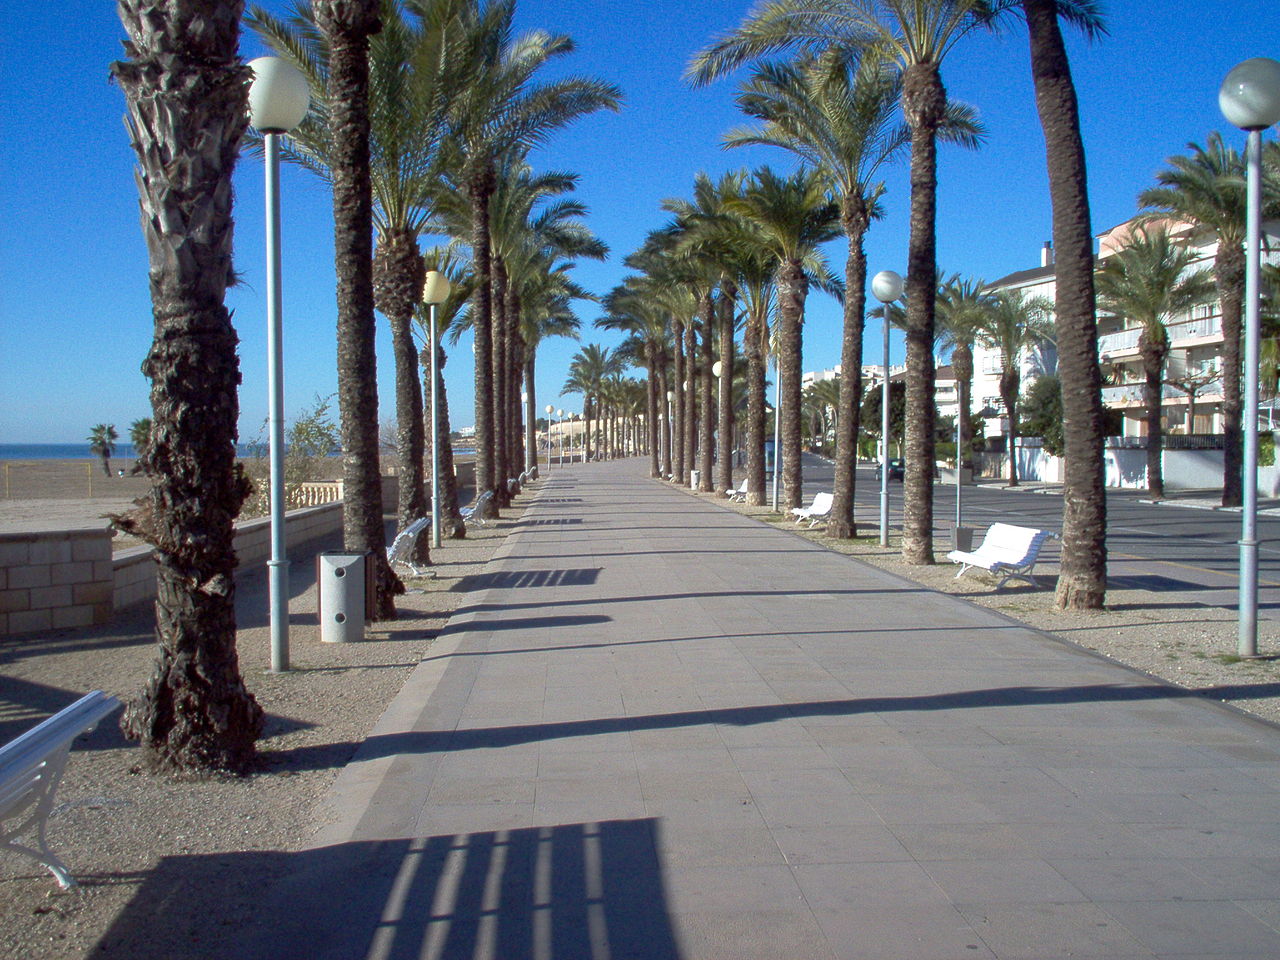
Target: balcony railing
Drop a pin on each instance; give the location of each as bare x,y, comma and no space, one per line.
1178,332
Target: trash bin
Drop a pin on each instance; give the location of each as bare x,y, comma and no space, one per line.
341,579
962,539
694,477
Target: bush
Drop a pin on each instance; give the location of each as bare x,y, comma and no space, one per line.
309,441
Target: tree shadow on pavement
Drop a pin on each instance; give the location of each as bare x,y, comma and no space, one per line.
582,890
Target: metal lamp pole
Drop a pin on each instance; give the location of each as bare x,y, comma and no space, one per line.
548,410
887,287
777,428
560,447
279,98
435,291
1250,99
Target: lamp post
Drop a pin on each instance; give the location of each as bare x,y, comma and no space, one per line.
887,287
666,440
279,98
777,427
548,410
434,292
560,449
1250,99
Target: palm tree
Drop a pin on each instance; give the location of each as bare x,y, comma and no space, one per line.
914,38
1147,282
588,370
102,443
793,217
1207,189
503,110
962,307
186,91
1082,577
1013,325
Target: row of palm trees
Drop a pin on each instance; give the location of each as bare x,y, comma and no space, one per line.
829,81
423,116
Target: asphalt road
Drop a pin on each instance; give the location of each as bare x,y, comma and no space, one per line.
1169,547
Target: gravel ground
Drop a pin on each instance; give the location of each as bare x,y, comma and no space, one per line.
118,828
221,841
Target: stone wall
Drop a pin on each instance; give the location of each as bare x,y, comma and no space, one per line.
52,579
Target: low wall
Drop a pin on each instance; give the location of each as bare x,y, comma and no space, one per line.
52,579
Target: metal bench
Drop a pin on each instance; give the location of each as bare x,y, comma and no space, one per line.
1007,551
31,767
475,512
401,548
815,512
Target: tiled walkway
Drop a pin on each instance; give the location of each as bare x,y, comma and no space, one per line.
665,730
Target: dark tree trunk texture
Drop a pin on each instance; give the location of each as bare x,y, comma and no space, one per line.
451,523
398,275
480,186
1154,355
498,381
187,97
924,101
855,218
793,287
753,346
724,477
530,413
664,434
348,24
1082,580
706,397
690,387
652,362
1010,381
1228,272
677,402
962,366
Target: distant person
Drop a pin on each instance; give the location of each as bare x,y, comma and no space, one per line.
120,474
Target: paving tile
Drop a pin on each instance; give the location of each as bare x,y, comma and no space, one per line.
1212,925
1036,930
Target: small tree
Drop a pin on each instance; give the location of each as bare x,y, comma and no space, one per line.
102,443
1042,412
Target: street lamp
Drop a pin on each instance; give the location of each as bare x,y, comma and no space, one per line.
666,443
434,292
560,453
887,287
279,98
1250,99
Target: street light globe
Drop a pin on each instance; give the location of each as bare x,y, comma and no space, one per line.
670,396
548,408
717,368
279,95
559,413
886,286
1250,95
436,287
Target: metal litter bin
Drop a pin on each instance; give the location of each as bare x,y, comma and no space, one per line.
694,477
962,539
341,579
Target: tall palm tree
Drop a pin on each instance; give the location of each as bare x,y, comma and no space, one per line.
840,119
102,443
1082,577
793,216
1013,325
503,109
1149,281
1206,188
186,91
914,38
962,307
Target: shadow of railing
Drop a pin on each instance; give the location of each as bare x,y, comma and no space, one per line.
583,890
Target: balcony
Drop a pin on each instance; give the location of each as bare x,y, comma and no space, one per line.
1130,394
1188,333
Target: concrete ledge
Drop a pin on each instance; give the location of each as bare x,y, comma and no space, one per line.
54,578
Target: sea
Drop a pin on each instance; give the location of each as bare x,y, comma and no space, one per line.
123,451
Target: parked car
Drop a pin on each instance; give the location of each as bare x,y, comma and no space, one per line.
897,467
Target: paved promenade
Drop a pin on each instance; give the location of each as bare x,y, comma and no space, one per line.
665,730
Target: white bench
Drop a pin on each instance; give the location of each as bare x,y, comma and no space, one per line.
401,548
1007,551
30,768
739,495
475,512
815,512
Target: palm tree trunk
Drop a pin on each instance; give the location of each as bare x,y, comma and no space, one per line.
652,364
962,366
924,101
1228,272
1009,383
398,274
753,340
792,289
530,412
690,387
855,217
498,381
665,431
480,186
348,25
706,397
677,401
724,477
1082,578
186,92
1153,361
451,523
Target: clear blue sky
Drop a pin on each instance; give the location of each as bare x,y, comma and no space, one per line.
75,315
